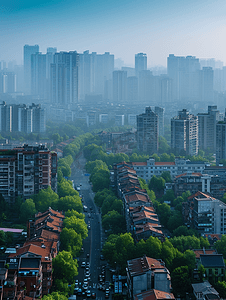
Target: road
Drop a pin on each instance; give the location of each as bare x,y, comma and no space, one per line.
93,243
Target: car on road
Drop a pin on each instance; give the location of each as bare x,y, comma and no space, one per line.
101,257
106,295
79,292
89,227
83,264
93,296
87,255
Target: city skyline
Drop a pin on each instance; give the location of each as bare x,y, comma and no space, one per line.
122,28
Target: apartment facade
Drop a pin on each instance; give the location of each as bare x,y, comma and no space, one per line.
184,133
150,168
22,118
26,170
145,274
147,132
205,213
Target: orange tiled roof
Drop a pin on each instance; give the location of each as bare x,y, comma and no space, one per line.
139,163
200,194
143,264
192,174
137,197
198,252
149,227
167,163
154,295
43,252
49,235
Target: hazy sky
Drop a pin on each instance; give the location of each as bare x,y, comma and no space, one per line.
121,27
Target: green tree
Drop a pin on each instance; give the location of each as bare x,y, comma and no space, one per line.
64,266
175,220
153,247
27,210
71,241
78,225
65,188
221,246
114,222
157,184
2,238
220,286
166,176
54,296
181,281
164,212
163,145
164,157
44,199
69,203
101,180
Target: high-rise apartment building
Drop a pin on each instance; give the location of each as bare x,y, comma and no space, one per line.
64,78
207,129
23,118
206,92
221,140
184,133
132,89
24,171
7,82
184,72
94,71
119,87
28,51
140,63
147,132
160,113
38,75
146,87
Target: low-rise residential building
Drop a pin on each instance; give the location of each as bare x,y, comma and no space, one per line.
30,266
214,266
154,295
204,291
205,214
212,184
141,218
180,166
145,274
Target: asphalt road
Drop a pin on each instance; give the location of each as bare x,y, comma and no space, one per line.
93,243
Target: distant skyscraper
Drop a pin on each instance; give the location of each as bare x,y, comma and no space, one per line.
160,113
221,140
147,132
140,63
7,82
28,51
119,87
207,129
146,87
22,118
38,75
184,133
206,84
132,89
184,72
64,78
